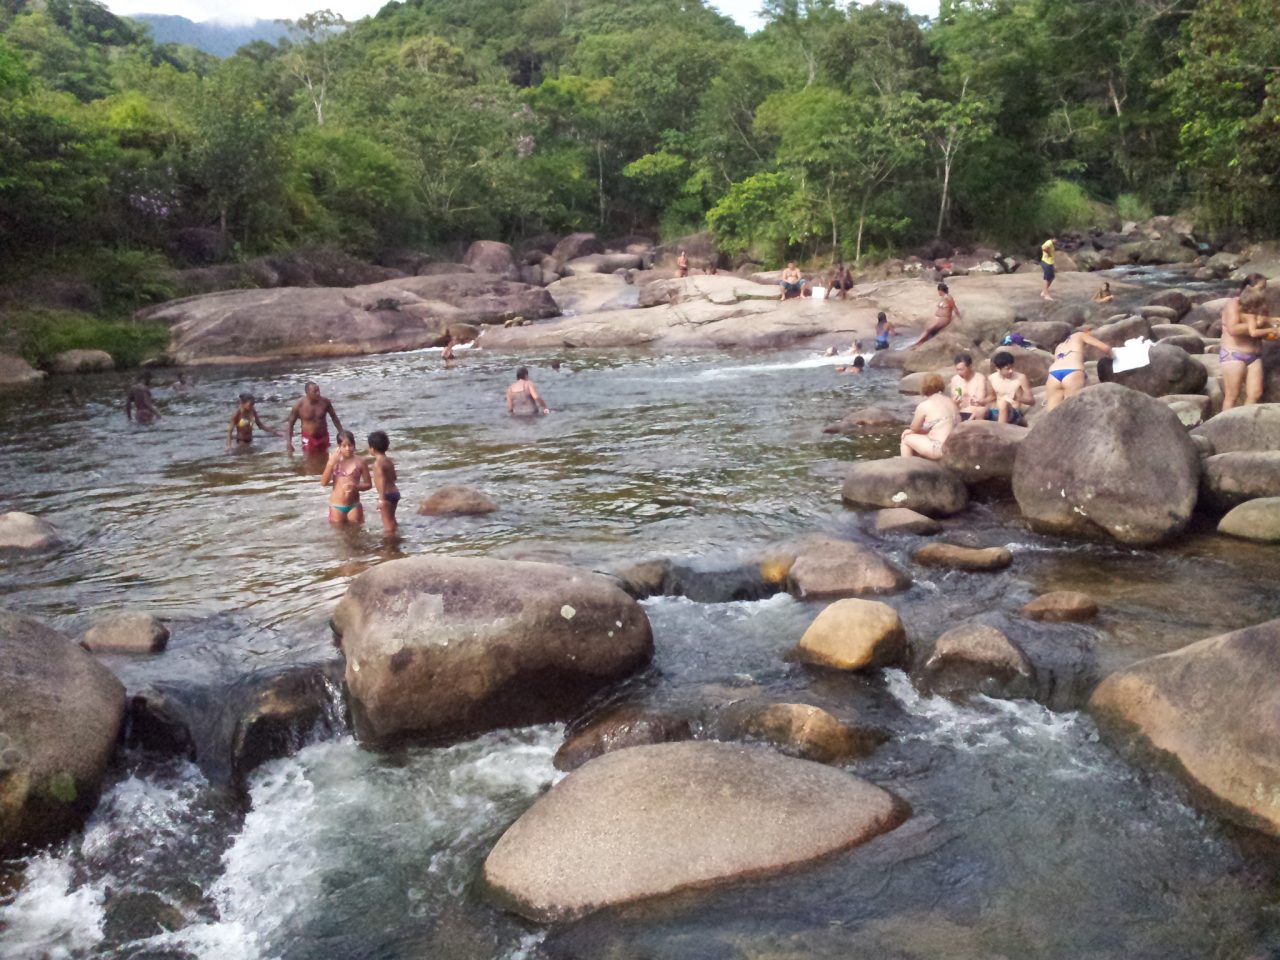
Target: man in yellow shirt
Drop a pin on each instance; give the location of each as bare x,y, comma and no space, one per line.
1046,265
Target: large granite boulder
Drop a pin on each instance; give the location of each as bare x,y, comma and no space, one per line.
982,452
81,361
17,370
401,314
1257,520
60,716
653,820
23,531
826,568
1109,461
1032,362
592,293
1254,427
1229,479
576,245
1210,711
492,257
1170,370
912,482
447,647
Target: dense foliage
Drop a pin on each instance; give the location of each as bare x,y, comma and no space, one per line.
857,129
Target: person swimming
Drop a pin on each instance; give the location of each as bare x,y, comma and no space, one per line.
858,365
349,475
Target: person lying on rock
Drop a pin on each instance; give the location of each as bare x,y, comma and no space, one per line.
1244,321
945,312
1066,373
792,282
243,420
139,398
384,480
312,410
935,417
970,390
1012,391
349,474
884,330
523,399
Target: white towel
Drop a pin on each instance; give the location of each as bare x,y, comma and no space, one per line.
1135,353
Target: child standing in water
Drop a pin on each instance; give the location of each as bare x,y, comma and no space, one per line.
384,480
243,419
883,330
349,474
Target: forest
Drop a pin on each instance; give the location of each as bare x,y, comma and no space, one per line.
836,130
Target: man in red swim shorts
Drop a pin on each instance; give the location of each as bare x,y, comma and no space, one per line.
312,410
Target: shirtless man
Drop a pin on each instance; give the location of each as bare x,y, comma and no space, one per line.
792,283
312,410
970,389
1012,391
942,316
139,397
1240,352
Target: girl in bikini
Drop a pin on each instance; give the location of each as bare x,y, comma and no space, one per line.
349,475
1066,373
936,416
1244,320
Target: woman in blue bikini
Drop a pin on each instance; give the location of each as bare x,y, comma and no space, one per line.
349,474
1066,373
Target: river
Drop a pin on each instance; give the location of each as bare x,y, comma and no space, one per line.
1030,838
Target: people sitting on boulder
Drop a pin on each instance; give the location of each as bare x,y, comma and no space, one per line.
1103,295
1066,373
858,366
523,399
243,420
792,282
884,329
841,282
935,417
349,475
945,312
1244,320
1012,391
970,389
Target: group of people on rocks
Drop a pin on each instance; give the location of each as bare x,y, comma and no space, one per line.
345,470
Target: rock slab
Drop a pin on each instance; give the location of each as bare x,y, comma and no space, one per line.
440,648
653,820
1211,711
911,482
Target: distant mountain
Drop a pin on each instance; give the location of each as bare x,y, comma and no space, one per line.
219,39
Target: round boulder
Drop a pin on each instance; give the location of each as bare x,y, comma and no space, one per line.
911,482
126,633
978,658
447,647
1254,427
854,635
490,256
576,245
81,361
1109,461
22,531
1210,712
963,558
649,821
1229,479
1169,370
982,452
17,370
1257,520
60,715
456,500
825,567
622,727
902,520
1061,606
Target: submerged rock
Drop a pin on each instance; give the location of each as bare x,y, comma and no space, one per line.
439,648
455,500
1062,606
854,635
649,821
911,482
126,633
826,568
796,729
963,558
622,727
902,520
1109,461
1210,711
22,531
867,420
978,658
60,716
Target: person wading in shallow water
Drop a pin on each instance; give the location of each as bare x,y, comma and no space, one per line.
243,420
349,475
312,410
523,399
139,398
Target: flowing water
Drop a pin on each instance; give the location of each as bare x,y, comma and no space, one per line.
1030,838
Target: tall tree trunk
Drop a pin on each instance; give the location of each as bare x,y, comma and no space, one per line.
946,187
600,179
862,219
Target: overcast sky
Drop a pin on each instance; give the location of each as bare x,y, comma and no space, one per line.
244,11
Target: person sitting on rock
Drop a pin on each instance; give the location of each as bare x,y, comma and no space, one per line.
935,417
841,282
1012,391
970,389
884,329
946,312
349,475
1240,352
243,420
139,399
1066,373
792,282
1103,295
523,399
858,366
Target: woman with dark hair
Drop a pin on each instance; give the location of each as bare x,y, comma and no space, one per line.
936,416
945,312
349,474
523,399
1240,352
